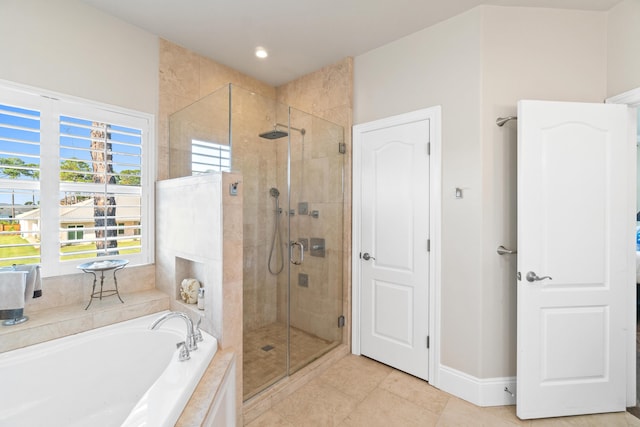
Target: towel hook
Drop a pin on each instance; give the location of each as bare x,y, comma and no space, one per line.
504,251
501,121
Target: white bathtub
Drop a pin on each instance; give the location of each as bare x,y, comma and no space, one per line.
118,375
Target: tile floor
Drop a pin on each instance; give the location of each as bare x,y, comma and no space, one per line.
264,355
361,392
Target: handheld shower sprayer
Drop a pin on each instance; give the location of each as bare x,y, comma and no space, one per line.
277,240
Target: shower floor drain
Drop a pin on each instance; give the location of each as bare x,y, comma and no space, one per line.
268,348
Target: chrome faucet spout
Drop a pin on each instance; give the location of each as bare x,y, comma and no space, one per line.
191,336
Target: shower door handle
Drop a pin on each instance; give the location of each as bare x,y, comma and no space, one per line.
301,258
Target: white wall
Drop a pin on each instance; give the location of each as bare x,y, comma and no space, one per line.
71,48
623,47
441,66
527,53
477,65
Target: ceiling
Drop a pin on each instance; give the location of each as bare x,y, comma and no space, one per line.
301,36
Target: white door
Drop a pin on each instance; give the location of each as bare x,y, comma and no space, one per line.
393,244
575,225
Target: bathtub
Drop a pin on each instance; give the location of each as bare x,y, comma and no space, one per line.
119,375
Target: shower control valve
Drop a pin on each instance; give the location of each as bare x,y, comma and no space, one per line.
197,333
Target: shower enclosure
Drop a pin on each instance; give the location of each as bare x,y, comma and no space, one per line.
292,184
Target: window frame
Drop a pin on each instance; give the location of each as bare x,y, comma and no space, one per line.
51,106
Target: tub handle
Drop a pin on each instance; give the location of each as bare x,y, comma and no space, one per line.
197,334
184,351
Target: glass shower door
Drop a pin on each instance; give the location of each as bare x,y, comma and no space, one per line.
293,203
316,206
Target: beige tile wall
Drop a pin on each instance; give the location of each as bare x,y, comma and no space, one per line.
253,114
186,77
76,288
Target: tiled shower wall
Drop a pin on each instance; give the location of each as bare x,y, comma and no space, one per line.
186,77
255,157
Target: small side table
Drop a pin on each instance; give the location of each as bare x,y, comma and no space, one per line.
102,266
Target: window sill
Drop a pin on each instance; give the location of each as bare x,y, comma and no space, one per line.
49,324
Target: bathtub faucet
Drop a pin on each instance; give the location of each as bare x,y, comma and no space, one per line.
191,336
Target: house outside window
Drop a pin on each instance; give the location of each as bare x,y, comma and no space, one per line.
75,181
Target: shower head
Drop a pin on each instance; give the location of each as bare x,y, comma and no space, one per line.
501,121
276,134
273,134
274,192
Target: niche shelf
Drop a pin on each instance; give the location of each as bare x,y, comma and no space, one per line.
184,269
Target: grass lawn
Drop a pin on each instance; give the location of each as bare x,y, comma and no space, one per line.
24,251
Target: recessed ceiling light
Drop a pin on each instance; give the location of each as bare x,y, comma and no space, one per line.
261,52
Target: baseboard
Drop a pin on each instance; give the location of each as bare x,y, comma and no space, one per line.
479,391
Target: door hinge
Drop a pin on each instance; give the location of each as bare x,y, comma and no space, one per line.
340,321
342,147
428,341
428,245
428,148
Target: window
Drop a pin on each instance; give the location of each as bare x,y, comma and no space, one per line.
74,182
76,232
19,184
208,157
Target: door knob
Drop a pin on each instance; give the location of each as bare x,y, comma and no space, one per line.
533,277
367,257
